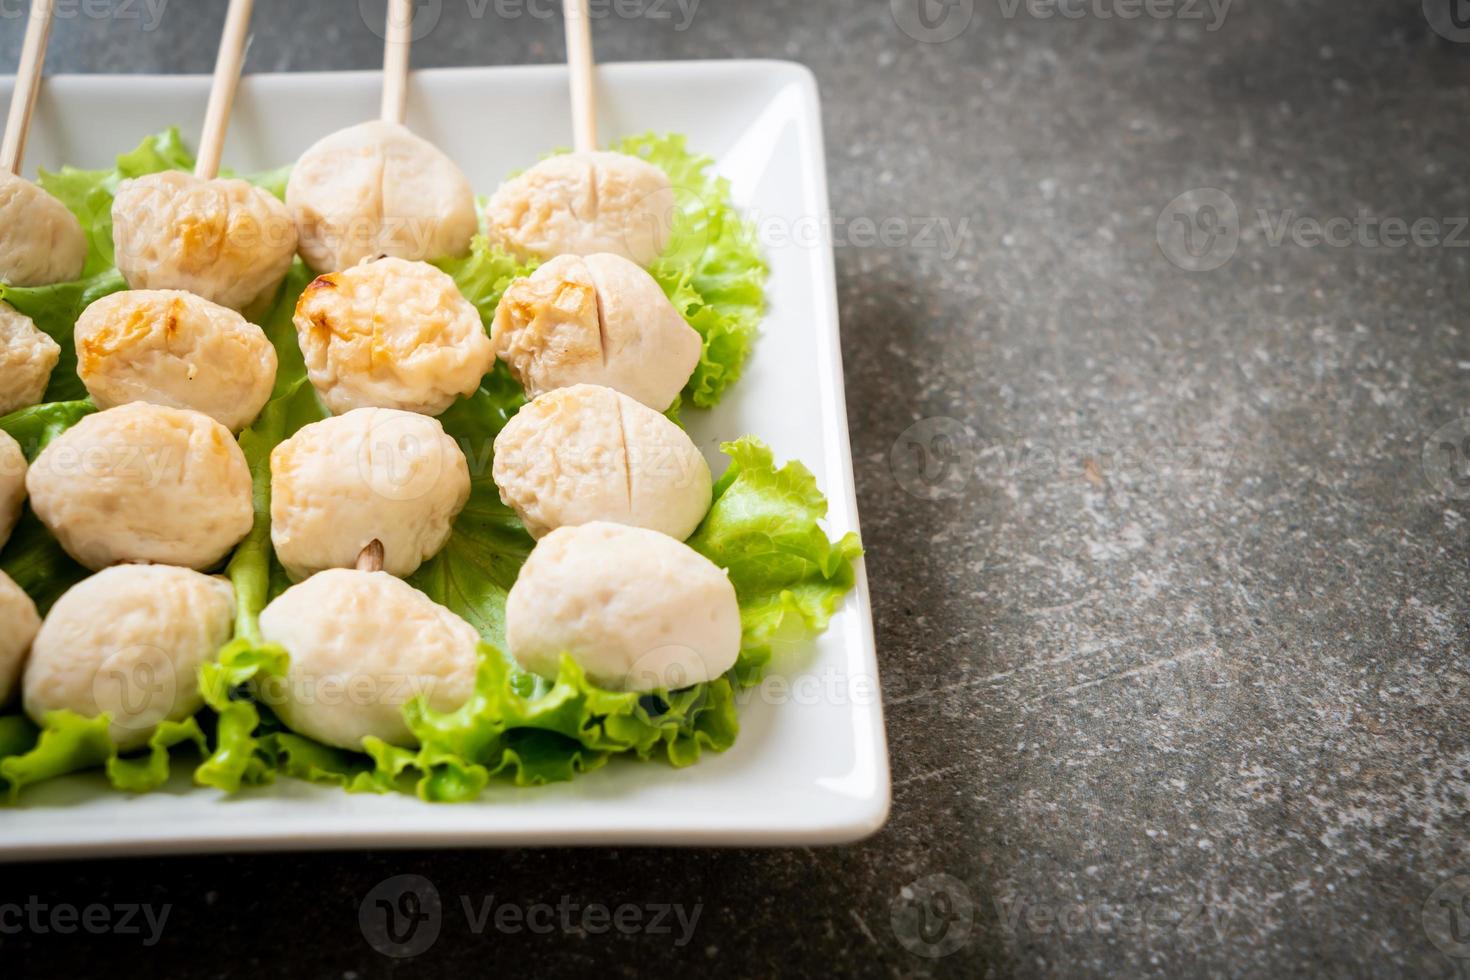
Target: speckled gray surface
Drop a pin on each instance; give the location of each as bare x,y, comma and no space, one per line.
1175,663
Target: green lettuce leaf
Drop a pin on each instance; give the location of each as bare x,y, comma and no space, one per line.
474,571
516,727
236,758
36,563
36,426
532,731
68,743
712,270
273,182
280,327
763,528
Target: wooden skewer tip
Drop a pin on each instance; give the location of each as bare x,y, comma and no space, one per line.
370,559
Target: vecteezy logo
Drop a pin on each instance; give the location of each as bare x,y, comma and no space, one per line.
933,916
1446,459
670,667
136,686
1449,19
934,458
423,17
1446,917
1199,230
932,21
672,223
396,461
401,916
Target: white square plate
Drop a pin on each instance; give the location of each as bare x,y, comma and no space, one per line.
811,765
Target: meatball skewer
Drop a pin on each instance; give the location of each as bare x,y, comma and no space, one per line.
376,189
223,239
41,242
143,483
588,201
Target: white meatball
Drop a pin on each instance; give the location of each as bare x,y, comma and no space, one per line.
19,622
374,473
636,609
362,644
27,357
595,320
144,483
225,240
128,642
584,203
41,242
12,485
173,348
377,189
391,334
588,453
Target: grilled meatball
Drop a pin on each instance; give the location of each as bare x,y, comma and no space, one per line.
225,240
362,644
27,357
584,203
129,642
391,334
588,453
595,320
41,242
377,189
173,348
21,620
144,483
636,609
12,485
372,474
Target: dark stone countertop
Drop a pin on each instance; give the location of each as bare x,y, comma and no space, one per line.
1175,668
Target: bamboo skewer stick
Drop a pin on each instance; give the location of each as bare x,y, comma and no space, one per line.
398,40
227,68
370,559
27,85
581,65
